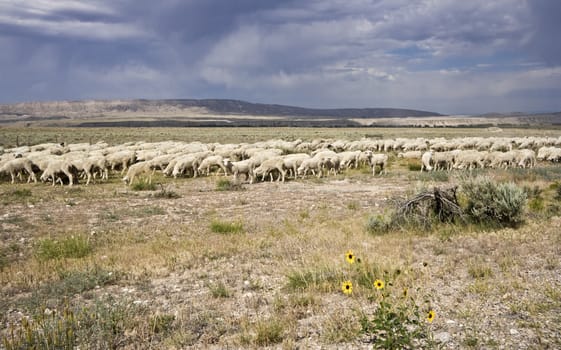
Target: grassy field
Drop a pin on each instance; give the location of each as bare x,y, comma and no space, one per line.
12,136
204,264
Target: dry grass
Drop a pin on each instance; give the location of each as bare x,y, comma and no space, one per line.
177,282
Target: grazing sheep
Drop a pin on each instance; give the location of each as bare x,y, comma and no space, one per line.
241,167
349,158
122,159
469,160
554,155
212,161
526,158
443,160
136,169
501,159
185,163
268,166
410,155
293,161
381,160
56,168
18,165
426,160
544,152
310,164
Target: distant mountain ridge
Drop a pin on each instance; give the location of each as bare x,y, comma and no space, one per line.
200,106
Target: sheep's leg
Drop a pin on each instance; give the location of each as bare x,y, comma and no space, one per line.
13,175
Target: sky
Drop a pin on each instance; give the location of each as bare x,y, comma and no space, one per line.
446,56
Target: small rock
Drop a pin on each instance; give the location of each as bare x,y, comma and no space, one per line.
513,331
48,311
246,284
450,321
442,337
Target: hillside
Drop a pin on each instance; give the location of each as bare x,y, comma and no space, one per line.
223,112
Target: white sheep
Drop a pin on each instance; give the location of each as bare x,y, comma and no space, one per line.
293,161
56,168
410,155
526,158
245,167
187,163
469,160
212,161
18,165
122,159
268,166
443,160
310,164
426,160
349,159
136,169
381,160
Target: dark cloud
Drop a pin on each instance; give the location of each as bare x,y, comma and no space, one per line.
544,43
437,55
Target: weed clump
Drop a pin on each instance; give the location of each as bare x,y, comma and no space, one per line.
227,185
217,226
167,194
143,185
70,247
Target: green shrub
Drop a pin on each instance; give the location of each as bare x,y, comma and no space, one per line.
69,247
414,166
495,204
536,204
217,226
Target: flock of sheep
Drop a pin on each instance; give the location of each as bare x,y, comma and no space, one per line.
61,163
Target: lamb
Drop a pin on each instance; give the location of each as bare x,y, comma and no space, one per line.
17,165
381,160
241,167
136,169
426,160
268,166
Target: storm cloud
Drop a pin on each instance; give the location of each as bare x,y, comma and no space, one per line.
441,55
